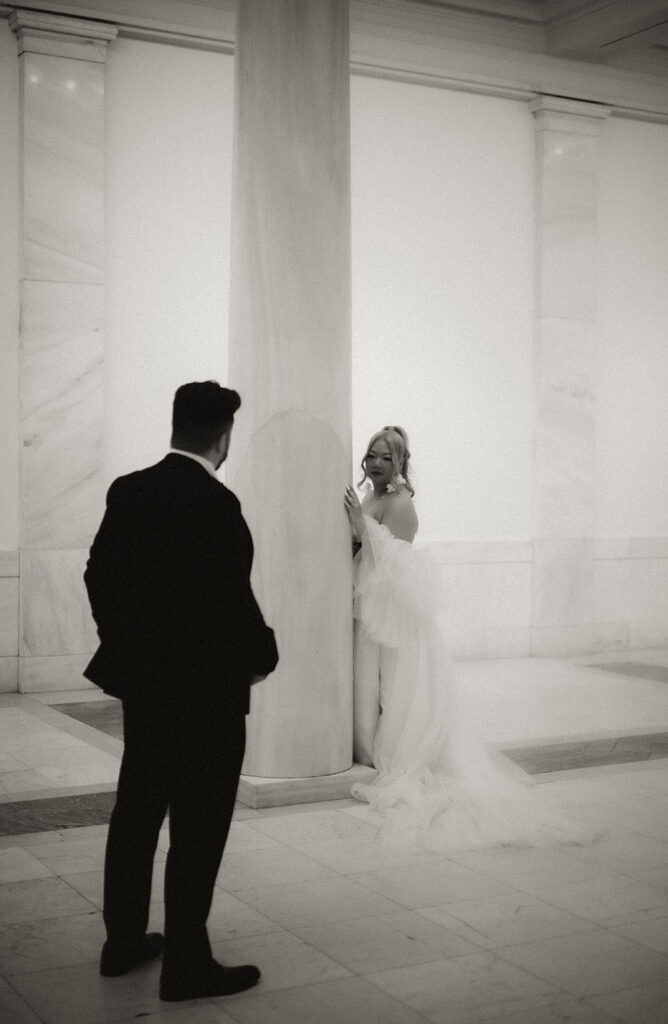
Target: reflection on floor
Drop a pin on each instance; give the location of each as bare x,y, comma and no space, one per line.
343,928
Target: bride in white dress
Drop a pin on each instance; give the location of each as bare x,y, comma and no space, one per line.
437,783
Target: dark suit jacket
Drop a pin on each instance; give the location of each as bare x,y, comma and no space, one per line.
168,579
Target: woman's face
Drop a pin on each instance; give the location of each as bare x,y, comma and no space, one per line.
378,464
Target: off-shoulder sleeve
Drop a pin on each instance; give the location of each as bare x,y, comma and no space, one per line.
397,586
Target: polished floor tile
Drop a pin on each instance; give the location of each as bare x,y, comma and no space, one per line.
380,943
435,882
346,1001
465,987
354,856
300,830
645,1005
533,870
565,1011
17,865
72,855
286,961
590,962
652,933
332,898
39,899
56,942
192,1013
276,865
630,852
598,899
231,918
13,1008
76,994
510,919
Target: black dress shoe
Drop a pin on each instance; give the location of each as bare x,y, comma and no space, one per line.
216,981
114,962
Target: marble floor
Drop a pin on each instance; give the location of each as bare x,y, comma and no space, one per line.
343,928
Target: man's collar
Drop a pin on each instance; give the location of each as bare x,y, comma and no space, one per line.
208,466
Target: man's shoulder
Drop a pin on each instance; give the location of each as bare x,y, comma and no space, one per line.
128,482
172,477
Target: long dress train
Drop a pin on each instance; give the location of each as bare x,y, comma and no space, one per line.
438,784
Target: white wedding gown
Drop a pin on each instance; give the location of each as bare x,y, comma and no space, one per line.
437,785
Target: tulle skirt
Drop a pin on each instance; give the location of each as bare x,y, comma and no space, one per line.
438,785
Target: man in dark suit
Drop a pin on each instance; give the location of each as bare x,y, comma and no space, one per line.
181,641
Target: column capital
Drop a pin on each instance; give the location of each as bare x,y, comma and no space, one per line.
60,36
558,113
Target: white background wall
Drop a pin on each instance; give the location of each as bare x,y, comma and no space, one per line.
9,291
442,186
168,169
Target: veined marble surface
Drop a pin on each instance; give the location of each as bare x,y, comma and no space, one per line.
61,394
290,358
63,168
55,614
54,673
564,374
303,580
565,431
9,616
9,675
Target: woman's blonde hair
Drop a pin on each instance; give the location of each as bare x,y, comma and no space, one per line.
397,440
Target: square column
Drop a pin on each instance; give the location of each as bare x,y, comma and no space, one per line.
61,67
567,134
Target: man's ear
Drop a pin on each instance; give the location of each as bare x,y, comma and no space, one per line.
223,445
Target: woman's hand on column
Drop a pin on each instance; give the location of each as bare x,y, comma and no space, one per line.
354,512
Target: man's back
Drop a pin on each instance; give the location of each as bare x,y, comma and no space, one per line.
168,580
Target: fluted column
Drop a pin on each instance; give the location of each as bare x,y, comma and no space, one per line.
567,143
61,63
290,359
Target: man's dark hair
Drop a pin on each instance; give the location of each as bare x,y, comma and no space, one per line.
202,411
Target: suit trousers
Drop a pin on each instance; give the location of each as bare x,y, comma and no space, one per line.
181,759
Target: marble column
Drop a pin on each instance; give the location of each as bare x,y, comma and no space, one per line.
290,359
61,67
567,141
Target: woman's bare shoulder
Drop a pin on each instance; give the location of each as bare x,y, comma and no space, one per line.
399,515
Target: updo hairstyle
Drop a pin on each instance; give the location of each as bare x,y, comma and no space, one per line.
397,440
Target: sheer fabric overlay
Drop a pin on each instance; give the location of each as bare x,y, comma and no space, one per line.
438,785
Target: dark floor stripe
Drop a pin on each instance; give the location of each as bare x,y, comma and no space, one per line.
104,715
558,757
55,813
635,670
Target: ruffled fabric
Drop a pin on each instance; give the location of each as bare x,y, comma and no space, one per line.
438,785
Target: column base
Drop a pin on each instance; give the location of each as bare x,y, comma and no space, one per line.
255,792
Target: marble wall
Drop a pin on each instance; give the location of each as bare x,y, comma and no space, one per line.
488,596
9,620
61,70
564,358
